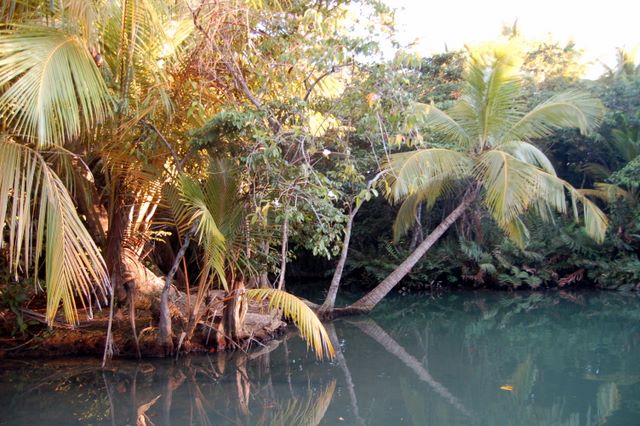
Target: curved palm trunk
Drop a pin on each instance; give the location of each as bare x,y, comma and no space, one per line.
371,299
330,300
235,310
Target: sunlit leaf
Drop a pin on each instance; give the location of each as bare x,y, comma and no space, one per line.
40,216
55,89
311,329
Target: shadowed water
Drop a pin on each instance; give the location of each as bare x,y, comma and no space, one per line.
464,358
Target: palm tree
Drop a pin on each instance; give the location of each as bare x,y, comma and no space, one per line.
104,79
487,149
52,92
42,220
88,82
213,212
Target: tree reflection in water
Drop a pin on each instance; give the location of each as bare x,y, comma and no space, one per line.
478,359
221,390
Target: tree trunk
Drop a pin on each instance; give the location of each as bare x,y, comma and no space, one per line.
330,301
235,309
165,316
285,247
418,235
263,278
113,252
124,254
371,299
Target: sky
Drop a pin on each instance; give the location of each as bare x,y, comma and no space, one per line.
598,27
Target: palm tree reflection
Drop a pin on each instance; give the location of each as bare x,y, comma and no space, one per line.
373,330
198,393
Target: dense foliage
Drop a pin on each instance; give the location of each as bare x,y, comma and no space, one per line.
265,132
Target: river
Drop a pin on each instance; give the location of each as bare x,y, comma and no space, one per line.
462,358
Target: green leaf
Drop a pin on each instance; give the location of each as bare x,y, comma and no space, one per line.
572,109
33,198
311,329
55,90
411,171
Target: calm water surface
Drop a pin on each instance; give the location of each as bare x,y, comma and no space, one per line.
463,358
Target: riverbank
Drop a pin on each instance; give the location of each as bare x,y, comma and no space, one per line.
89,336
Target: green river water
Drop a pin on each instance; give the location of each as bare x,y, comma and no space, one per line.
479,358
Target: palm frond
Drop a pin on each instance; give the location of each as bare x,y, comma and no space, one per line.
510,188
572,109
55,89
595,221
32,197
142,40
428,194
411,171
466,115
626,142
195,200
216,204
492,91
84,15
489,99
517,231
434,119
310,327
528,153
178,213
306,411
513,186
406,217
595,170
208,234
607,192
12,11
552,193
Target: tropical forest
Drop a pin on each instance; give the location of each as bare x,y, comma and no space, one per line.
282,212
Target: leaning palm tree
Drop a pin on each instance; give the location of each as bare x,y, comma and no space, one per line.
487,150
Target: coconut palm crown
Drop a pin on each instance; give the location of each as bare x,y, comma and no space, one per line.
487,134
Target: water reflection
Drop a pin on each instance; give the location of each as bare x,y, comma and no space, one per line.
477,359
373,330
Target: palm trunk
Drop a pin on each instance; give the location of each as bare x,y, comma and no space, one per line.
235,310
371,299
330,300
115,239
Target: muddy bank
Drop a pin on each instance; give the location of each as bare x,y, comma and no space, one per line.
88,338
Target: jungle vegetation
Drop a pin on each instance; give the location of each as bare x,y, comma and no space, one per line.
191,158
